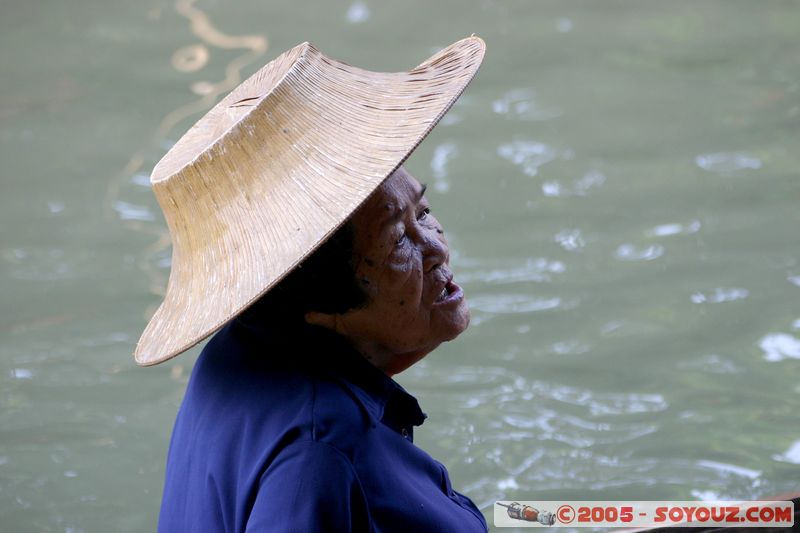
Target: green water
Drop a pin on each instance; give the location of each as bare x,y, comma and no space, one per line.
619,185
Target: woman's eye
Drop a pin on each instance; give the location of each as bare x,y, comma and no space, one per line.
424,213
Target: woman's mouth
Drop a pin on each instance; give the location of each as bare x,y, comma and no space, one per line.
450,293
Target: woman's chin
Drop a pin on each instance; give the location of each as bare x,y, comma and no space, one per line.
458,322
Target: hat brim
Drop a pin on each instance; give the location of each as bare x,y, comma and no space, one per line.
277,167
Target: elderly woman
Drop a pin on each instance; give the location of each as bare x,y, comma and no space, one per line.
320,260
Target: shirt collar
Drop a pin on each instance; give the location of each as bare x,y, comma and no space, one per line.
391,403
382,397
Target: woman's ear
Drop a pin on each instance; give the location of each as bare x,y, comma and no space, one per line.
326,320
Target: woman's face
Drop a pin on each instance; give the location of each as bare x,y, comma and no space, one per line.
401,260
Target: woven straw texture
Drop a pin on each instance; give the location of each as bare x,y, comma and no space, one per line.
275,168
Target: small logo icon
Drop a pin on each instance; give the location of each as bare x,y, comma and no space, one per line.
527,513
565,514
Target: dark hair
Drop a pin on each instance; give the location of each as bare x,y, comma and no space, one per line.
324,282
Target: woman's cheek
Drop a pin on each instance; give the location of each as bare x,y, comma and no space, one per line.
401,262
433,225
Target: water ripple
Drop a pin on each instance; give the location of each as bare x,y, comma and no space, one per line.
509,483
499,386
564,24
629,252
450,119
469,376
706,495
521,104
442,155
190,58
357,13
46,264
791,455
712,363
605,403
780,346
727,469
720,294
21,373
141,179
570,239
528,154
550,425
538,270
580,187
664,230
512,303
128,211
571,346
727,163
55,207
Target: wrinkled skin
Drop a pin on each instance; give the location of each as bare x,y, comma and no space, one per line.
402,263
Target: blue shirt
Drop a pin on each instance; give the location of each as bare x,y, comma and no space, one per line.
279,435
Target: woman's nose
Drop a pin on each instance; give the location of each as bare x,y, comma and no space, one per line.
435,251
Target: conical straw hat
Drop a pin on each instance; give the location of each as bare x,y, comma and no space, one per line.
272,171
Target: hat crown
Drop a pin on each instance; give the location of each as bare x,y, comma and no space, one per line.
228,112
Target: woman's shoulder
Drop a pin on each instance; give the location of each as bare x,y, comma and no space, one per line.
274,389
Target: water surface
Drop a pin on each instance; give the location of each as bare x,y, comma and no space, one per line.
619,186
